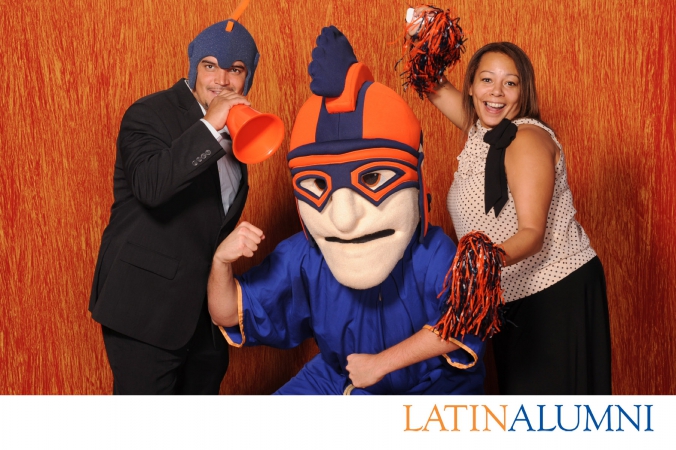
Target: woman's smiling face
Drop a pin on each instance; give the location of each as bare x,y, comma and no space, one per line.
496,89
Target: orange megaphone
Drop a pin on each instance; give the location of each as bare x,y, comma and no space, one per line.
255,136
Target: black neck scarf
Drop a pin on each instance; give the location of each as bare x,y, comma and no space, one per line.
499,139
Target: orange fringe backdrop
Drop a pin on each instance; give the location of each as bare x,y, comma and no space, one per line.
73,66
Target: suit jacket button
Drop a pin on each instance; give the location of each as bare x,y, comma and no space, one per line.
208,152
204,155
194,163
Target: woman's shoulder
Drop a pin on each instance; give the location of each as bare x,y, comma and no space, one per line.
531,138
541,128
532,133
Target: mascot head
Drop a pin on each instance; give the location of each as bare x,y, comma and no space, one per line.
355,160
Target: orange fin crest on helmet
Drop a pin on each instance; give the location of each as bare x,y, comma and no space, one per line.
357,75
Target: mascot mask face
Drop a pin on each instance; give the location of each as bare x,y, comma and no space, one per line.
360,241
355,160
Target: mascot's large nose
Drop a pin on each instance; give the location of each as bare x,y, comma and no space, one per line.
345,209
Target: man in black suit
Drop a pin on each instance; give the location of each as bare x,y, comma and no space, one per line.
178,191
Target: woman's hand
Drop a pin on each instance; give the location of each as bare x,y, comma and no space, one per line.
414,17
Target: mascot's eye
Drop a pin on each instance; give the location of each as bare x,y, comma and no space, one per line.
321,184
373,180
315,185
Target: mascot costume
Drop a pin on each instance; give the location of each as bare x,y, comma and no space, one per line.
367,272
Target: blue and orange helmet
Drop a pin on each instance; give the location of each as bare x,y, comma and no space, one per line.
228,41
351,127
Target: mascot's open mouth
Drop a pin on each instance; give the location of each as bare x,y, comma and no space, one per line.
362,239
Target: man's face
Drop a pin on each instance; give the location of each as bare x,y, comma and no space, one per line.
212,79
362,242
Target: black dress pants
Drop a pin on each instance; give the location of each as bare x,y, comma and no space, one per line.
143,369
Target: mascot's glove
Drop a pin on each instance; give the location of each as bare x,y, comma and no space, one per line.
331,59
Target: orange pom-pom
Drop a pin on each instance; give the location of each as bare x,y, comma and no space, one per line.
436,46
472,285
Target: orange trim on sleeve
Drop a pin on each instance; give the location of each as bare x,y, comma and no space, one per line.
459,344
240,318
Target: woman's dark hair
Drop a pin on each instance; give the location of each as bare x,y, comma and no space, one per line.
528,101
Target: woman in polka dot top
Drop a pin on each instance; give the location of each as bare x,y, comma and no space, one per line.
511,184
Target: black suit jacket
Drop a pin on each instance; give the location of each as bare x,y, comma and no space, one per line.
166,221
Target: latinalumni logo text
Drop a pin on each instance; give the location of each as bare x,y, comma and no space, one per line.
529,418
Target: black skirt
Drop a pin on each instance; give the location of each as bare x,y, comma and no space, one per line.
557,341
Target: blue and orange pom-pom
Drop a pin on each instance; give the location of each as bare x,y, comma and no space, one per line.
436,46
473,289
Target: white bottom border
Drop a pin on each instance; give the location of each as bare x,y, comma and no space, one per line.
336,422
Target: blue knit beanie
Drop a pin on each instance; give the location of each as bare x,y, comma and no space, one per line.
227,47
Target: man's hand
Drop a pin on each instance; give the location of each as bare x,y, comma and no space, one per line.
220,106
243,241
365,370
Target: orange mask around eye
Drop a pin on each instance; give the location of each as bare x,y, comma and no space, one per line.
376,178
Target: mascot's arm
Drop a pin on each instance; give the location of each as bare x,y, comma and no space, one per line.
366,370
222,287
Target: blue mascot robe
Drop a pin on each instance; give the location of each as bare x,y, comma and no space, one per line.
292,296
